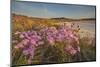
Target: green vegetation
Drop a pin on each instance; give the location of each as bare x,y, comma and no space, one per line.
46,53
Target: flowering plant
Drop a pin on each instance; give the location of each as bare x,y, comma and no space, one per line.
32,39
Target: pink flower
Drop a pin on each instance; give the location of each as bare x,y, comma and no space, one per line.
25,41
20,45
51,40
21,36
59,37
32,41
70,50
25,52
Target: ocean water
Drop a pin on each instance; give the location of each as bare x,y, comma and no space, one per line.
87,25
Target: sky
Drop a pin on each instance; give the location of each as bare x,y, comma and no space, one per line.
51,10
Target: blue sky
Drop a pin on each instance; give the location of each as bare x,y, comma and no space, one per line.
47,10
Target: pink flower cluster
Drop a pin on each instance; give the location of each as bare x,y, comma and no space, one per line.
72,50
32,39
